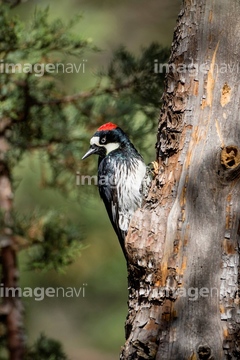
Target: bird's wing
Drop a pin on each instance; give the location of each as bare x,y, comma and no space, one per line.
120,190
109,196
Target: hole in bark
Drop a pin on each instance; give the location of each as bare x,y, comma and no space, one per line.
204,352
230,157
231,150
231,163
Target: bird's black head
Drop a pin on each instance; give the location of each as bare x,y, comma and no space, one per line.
107,138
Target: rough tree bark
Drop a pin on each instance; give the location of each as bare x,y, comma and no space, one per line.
183,246
10,305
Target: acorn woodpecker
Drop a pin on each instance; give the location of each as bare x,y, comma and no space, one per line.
123,177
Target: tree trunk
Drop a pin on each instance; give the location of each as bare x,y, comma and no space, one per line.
183,246
10,304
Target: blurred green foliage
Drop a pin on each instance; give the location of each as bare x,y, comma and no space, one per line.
54,238
49,132
46,349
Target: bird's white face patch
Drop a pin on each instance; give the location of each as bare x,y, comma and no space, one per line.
95,140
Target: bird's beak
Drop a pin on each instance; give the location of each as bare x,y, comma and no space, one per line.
94,149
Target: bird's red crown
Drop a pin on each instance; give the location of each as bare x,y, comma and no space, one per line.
107,126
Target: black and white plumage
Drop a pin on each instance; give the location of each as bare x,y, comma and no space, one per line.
122,176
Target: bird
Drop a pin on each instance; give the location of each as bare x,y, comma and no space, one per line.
123,177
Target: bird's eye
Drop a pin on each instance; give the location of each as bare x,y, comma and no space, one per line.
103,140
